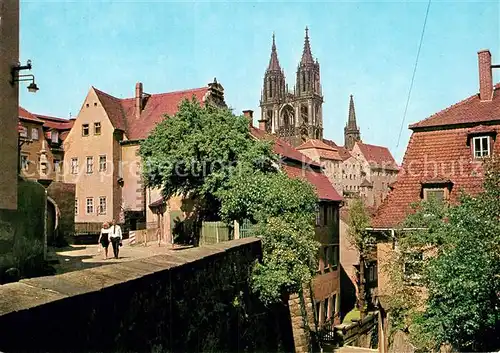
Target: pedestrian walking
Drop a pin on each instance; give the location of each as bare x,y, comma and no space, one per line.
104,238
115,235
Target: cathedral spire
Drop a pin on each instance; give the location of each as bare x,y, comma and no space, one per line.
351,122
351,130
307,57
274,64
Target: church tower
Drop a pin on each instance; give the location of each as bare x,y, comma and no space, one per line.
351,130
297,116
273,92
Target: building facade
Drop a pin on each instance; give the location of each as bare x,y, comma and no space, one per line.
101,151
444,158
41,140
9,101
295,115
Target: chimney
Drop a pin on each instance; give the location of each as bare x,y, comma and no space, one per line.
249,115
138,99
262,125
485,75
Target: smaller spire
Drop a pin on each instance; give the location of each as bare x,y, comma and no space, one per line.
274,64
307,57
351,123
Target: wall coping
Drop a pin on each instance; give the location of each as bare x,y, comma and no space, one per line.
29,293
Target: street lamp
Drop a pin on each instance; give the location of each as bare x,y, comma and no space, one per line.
16,77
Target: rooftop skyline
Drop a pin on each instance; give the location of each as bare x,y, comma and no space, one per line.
365,49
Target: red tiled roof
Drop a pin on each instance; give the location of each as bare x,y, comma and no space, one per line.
121,112
323,187
432,155
26,115
470,110
282,148
343,152
377,155
51,122
324,150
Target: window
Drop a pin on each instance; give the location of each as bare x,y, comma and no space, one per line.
325,215
334,256
481,146
54,136
90,165
97,128
434,194
24,162
102,205
318,216
412,266
102,163
326,311
34,133
57,165
24,131
85,129
76,206
95,104
326,257
74,165
90,205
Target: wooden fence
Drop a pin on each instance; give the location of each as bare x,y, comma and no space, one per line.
215,232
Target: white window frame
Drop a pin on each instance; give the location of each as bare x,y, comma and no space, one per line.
482,141
74,165
89,205
35,134
85,127
89,167
25,165
24,131
103,210
427,190
54,136
103,166
57,165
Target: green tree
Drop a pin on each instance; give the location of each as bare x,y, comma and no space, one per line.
461,273
207,154
363,241
195,152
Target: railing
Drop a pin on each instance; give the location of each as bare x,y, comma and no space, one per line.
245,228
347,334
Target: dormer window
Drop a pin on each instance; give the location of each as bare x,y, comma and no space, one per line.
435,194
436,189
481,146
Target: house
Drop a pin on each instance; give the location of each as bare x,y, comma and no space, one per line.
9,101
444,157
101,151
326,284
42,136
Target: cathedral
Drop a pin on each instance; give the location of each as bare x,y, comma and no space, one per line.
294,115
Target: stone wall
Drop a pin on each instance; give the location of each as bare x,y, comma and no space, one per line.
22,231
64,196
190,300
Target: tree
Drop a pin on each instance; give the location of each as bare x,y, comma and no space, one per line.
207,154
194,153
363,241
461,272
283,210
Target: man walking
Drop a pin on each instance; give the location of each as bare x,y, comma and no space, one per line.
115,235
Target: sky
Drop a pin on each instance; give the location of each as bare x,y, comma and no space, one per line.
365,48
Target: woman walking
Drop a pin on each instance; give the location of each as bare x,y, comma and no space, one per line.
115,235
104,238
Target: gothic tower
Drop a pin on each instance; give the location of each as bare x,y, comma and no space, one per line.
273,92
351,130
297,116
